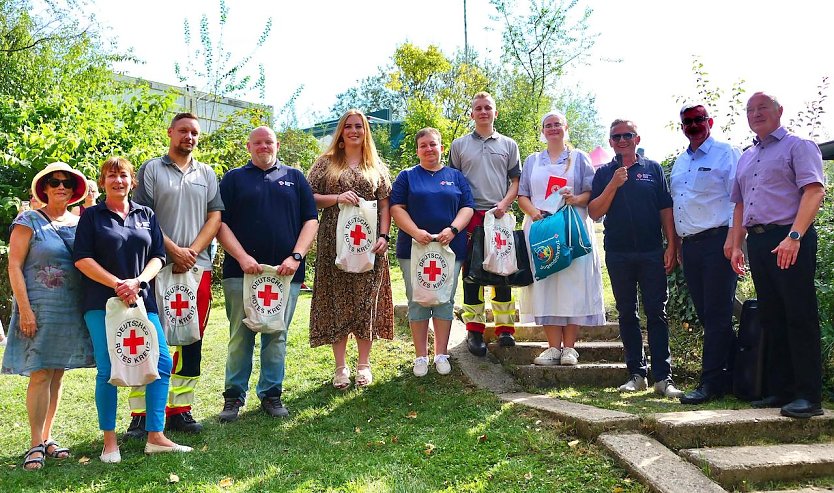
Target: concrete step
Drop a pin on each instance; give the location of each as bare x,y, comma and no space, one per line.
715,428
535,333
731,466
588,421
589,352
596,374
655,466
810,489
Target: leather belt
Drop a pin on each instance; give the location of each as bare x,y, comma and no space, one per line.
758,229
707,233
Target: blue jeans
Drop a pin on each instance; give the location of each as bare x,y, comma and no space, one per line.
627,271
418,312
156,392
242,346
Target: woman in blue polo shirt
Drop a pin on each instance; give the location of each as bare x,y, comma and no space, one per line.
430,202
119,248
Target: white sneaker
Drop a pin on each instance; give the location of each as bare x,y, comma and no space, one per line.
635,383
441,364
569,356
666,388
551,356
421,366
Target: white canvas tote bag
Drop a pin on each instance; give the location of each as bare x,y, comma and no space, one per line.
132,344
176,297
265,300
356,234
432,273
499,244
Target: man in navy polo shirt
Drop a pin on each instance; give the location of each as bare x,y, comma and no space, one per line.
632,193
271,219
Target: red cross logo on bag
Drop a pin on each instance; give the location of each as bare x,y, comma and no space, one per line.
267,296
133,342
356,235
432,271
179,304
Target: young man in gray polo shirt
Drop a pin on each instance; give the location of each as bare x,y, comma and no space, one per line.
185,197
491,164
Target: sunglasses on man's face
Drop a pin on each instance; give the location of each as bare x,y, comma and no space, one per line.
626,136
54,182
698,119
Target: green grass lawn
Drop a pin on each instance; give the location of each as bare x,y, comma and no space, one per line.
401,434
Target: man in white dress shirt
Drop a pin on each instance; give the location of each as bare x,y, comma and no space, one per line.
701,182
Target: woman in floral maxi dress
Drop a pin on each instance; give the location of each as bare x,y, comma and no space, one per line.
349,303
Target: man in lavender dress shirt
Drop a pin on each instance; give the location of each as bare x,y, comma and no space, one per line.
778,192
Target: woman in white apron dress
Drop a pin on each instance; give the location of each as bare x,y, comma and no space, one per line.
570,298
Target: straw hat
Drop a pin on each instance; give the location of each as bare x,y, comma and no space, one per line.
39,182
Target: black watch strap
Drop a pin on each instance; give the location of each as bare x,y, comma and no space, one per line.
297,256
454,229
385,235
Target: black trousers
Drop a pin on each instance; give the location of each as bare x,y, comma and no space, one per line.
712,286
789,316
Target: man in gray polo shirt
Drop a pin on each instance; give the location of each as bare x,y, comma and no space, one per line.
185,197
491,164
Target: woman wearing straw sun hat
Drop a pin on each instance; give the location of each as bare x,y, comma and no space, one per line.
47,334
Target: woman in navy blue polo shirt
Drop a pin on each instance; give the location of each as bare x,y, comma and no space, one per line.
119,248
431,202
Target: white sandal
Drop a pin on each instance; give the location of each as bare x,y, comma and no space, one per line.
363,375
341,377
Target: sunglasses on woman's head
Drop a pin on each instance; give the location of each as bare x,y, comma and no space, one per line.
54,182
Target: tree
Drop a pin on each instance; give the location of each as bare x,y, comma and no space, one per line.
545,42
211,68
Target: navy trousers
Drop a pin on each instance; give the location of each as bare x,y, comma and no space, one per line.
712,286
789,316
628,271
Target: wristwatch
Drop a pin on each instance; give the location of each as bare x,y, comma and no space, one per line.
454,229
385,235
794,235
297,256
144,285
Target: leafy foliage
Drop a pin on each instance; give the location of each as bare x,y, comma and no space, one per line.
543,42
211,68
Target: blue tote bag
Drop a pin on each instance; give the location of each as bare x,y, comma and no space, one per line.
556,240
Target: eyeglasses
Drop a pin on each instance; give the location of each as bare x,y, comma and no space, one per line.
626,136
698,119
54,182
548,126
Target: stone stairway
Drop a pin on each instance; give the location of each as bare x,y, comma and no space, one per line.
600,357
688,451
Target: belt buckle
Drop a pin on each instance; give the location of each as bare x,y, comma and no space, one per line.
757,229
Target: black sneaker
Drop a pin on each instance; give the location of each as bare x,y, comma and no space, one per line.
136,429
231,408
274,407
183,422
505,339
